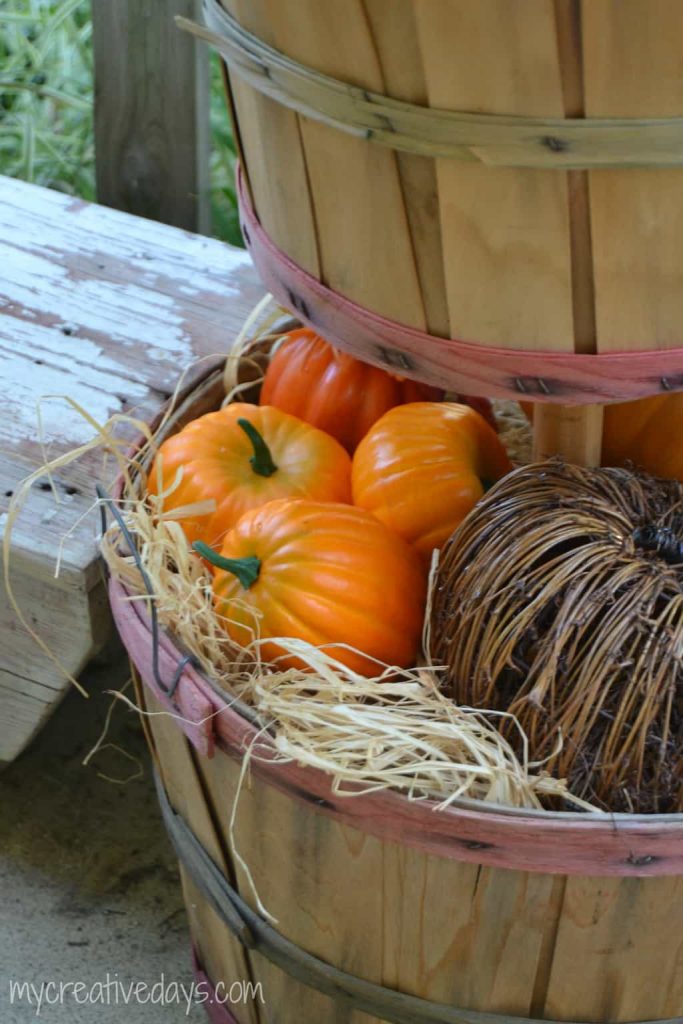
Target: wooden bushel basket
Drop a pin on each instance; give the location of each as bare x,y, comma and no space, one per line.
485,194
480,193
383,908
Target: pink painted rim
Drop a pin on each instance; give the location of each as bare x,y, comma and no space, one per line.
216,1011
544,376
543,841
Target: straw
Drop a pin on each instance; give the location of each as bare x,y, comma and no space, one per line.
394,731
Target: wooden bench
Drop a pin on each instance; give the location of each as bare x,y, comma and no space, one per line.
107,309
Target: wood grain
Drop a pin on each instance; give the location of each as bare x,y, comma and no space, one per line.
632,68
394,34
464,934
151,112
571,431
270,140
549,376
505,232
633,926
105,309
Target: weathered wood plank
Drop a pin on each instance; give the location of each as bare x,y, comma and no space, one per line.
151,112
107,309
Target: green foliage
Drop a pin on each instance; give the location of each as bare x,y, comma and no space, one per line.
46,125
224,215
46,106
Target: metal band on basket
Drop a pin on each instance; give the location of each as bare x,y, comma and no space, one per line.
488,139
254,933
107,502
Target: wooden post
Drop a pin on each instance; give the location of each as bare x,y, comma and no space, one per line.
572,431
151,112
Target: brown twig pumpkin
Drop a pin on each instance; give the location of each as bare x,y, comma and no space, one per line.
560,599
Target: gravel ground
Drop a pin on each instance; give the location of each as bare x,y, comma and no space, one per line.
89,889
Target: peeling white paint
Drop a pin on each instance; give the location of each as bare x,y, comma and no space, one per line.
124,312
38,341
51,220
25,385
103,308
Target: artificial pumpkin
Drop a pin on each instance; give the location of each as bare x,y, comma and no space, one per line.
341,395
422,467
328,574
241,457
646,433
560,602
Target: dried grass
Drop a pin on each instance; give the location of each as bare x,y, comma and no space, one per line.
395,731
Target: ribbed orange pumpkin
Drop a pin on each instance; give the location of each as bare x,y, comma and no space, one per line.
422,467
328,574
647,433
310,379
244,456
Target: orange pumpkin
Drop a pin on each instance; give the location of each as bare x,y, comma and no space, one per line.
647,433
341,395
644,432
422,467
328,574
241,457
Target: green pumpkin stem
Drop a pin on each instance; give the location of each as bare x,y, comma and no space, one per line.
261,461
245,569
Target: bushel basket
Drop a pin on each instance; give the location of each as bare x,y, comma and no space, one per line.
485,194
376,907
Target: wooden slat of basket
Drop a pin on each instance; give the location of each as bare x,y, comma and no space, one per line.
222,955
322,884
278,187
395,35
514,917
638,921
633,69
575,433
496,141
505,231
362,228
496,931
